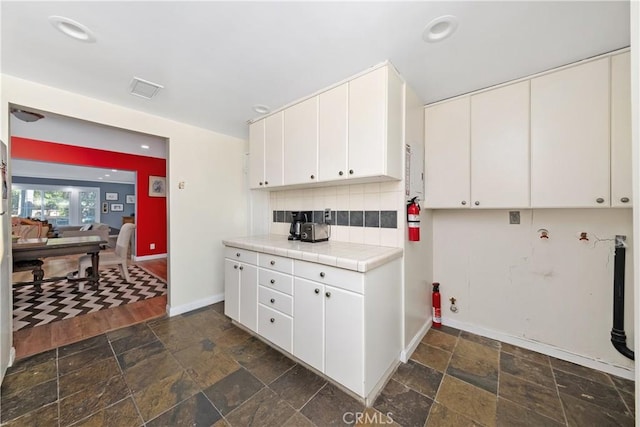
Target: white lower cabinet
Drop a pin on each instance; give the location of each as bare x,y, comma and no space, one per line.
241,292
343,323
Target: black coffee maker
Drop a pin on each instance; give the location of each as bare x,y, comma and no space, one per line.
297,219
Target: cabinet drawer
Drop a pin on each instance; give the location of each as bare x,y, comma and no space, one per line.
276,300
276,327
338,277
243,255
275,262
274,280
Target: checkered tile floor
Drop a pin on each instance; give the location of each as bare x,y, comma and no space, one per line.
62,300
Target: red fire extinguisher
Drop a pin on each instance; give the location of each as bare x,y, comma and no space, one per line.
435,301
413,220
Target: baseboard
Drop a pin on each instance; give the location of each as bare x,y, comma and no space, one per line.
408,351
148,257
184,308
12,356
547,349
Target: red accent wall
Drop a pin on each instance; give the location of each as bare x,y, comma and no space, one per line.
151,212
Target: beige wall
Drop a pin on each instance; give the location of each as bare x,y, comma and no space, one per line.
212,205
548,295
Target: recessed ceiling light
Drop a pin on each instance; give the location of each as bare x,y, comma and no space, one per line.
440,28
146,147
72,28
99,177
114,170
26,116
106,174
261,109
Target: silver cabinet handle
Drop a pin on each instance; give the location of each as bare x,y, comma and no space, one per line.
328,294
272,263
350,171
477,203
237,254
260,183
273,300
625,200
266,183
272,320
340,173
241,268
600,200
463,202
322,274
316,290
272,281
235,267
312,176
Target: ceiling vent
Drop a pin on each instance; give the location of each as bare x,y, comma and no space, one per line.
144,88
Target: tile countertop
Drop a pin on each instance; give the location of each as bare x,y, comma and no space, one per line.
351,256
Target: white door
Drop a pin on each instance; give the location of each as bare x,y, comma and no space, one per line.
570,137
248,306
6,296
344,338
621,181
447,154
332,134
301,142
232,289
500,147
273,150
256,154
367,124
308,325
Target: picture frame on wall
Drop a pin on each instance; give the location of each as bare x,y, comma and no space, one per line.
157,186
111,196
105,207
117,207
130,199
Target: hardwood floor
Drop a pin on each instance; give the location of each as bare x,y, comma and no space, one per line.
31,341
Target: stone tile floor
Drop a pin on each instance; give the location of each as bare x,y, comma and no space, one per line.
198,369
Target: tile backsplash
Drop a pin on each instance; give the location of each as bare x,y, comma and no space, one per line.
360,213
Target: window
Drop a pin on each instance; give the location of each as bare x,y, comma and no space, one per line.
58,205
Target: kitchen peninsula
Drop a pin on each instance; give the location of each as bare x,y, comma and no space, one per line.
335,306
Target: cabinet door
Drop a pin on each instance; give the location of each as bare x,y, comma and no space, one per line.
332,134
500,147
570,137
367,124
301,142
344,338
232,289
621,180
447,154
249,296
308,324
256,154
273,149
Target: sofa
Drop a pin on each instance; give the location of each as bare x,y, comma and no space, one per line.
25,228
96,229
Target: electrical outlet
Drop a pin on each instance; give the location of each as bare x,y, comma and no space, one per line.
514,217
152,246
327,214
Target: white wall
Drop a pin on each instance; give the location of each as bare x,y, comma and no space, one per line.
552,295
373,196
212,205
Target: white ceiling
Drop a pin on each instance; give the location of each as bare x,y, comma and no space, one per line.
218,59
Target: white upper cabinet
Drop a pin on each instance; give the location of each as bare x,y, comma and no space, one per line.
301,142
256,154
500,147
570,137
447,154
375,124
273,150
621,181
332,135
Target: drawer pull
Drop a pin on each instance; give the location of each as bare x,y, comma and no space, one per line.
600,200
350,171
260,182
463,202
235,266
273,300
328,294
241,268
238,254
266,183
477,203
272,281
316,290
272,320
312,176
272,263
322,274
340,173
625,200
